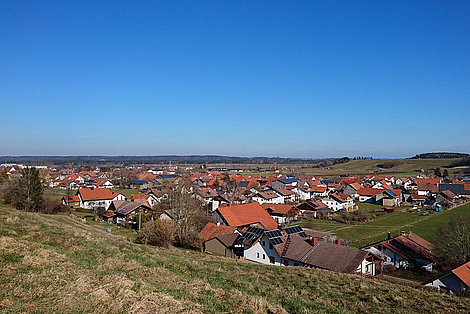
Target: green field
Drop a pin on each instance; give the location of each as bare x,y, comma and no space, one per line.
363,167
127,192
427,227
52,264
401,220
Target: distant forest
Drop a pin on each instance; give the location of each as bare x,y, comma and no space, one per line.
440,155
126,160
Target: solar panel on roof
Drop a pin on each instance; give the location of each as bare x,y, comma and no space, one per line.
293,229
273,234
303,234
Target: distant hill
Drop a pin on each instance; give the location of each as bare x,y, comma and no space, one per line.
442,155
53,264
192,159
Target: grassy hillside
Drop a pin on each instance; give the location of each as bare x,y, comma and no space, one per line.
370,166
53,264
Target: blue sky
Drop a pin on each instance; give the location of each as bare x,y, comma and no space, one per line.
240,78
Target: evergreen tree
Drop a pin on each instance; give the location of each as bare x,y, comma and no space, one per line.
437,172
446,173
28,191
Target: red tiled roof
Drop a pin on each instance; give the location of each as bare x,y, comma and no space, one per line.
356,186
96,194
211,230
281,209
240,215
369,191
449,194
463,272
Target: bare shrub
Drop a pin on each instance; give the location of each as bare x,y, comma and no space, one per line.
159,232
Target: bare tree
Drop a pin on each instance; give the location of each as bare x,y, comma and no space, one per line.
455,241
187,212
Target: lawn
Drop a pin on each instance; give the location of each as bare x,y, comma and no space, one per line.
362,234
400,220
53,264
427,227
127,192
317,224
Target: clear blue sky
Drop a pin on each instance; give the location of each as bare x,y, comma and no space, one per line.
239,78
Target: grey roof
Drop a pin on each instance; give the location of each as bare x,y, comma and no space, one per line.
335,257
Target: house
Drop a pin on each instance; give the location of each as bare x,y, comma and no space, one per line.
309,192
124,210
456,280
366,195
282,183
288,195
336,203
446,196
293,247
282,213
416,199
98,198
222,245
217,239
268,197
353,189
407,250
459,188
245,215
389,197
72,201
151,199
103,183
315,209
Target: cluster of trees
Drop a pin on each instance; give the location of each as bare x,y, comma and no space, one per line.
188,218
437,172
440,155
390,164
27,193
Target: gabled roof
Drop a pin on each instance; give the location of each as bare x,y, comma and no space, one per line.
268,195
280,209
96,194
127,207
356,186
284,192
211,230
449,194
463,272
369,191
335,257
245,214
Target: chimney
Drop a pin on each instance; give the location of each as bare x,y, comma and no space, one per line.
389,236
314,241
338,241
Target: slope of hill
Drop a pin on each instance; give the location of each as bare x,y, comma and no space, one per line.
54,264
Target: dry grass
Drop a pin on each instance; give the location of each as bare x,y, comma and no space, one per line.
52,264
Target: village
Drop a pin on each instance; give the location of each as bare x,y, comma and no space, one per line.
270,217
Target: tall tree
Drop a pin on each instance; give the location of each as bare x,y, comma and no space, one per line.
446,173
28,191
187,212
455,241
437,172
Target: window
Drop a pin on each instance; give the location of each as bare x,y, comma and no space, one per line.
270,246
272,260
286,262
257,255
264,256
264,243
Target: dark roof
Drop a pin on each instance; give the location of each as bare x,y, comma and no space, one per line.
335,257
228,239
289,180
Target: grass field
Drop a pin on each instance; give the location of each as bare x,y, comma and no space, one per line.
52,264
126,192
427,227
363,167
424,226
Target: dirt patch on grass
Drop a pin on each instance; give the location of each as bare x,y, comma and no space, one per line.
162,303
